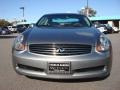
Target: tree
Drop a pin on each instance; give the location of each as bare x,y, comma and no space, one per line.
90,12
4,23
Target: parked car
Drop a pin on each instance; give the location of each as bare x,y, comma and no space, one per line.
62,46
116,30
12,29
105,28
22,27
4,31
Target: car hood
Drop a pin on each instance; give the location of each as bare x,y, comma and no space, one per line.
62,36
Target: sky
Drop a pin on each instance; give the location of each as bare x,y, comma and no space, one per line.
34,9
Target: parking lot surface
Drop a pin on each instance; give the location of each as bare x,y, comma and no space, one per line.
9,80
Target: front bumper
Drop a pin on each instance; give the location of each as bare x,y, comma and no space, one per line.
82,66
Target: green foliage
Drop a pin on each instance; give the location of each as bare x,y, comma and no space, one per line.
4,23
91,11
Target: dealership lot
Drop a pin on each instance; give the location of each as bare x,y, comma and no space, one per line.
9,80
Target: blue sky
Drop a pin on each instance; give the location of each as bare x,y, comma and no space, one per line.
34,9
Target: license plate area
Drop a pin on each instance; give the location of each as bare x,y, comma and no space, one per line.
59,68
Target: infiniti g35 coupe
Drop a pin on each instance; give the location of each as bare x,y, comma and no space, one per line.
62,46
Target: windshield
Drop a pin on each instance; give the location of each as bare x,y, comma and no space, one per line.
64,21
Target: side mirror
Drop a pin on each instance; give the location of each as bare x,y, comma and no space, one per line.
32,25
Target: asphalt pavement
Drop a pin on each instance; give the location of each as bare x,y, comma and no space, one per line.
9,80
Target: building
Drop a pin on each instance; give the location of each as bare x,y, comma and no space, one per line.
113,21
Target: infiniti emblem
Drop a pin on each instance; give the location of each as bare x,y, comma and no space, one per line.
59,50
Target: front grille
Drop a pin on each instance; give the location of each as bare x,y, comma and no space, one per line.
91,69
60,49
30,68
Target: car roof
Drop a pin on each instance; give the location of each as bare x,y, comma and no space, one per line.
52,14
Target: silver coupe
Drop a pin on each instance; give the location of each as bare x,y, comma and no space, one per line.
62,46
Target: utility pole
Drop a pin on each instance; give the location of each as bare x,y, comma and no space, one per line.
87,11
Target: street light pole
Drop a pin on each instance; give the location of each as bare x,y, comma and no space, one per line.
23,11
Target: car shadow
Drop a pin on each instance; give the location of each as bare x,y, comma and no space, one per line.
69,80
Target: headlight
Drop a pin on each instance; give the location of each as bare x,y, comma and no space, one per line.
19,46
103,44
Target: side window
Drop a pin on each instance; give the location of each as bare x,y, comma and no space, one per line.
86,22
43,21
